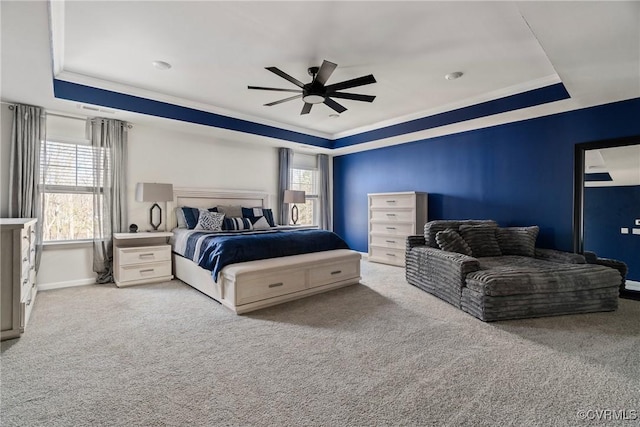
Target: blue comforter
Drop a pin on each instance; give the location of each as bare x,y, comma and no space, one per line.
216,251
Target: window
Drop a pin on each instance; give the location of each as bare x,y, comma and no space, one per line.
307,181
67,184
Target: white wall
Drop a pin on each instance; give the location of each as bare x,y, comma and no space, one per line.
155,155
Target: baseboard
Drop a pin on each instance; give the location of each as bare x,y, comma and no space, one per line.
66,284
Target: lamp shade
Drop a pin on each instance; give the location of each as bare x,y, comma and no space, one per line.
154,192
294,196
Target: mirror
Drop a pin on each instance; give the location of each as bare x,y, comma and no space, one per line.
607,204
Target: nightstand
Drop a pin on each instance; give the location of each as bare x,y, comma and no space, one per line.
140,258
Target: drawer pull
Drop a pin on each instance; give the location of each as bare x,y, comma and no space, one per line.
391,254
391,201
149,255
275,285
391,214
390,241
391,228
148,270
336,272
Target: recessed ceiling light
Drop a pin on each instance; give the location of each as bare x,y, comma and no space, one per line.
454,75
334,116
161,65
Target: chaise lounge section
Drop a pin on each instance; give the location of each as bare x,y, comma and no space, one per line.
501,275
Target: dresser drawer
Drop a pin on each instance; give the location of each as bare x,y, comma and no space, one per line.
146,254
399,229
250,288
398,242
129,273
322,275
406,215
387,255
393,201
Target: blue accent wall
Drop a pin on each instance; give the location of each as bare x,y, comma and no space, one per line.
518,173
606,210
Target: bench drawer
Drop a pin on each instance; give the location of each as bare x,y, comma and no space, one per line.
250,288
322,275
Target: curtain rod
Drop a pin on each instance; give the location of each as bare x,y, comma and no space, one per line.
128,125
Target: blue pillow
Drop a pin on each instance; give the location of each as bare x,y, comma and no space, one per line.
255,213
191,216
234,224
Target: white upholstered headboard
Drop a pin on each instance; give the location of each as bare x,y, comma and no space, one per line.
208,198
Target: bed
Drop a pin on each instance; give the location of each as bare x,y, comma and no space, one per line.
246,286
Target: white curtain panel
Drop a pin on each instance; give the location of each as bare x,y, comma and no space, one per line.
27,133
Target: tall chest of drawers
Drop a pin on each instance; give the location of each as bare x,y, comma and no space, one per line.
393,217
17,274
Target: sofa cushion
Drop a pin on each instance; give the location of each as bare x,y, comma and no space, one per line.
515,275
481,239
449,240
518,240
433,227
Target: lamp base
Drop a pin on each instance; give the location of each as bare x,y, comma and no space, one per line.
294,214
153,224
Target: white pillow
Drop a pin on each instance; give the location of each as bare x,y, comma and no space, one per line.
261,224
210,221
182,223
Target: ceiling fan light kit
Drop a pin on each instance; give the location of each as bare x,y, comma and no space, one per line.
317,92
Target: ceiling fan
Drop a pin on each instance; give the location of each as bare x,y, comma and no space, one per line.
316,92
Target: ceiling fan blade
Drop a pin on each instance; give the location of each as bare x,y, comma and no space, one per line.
306,108
353,96
333,104
275,88
360,81
283,100
285,76
326,69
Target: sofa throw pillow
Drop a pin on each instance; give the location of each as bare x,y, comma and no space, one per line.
518,240
258,212
481,239
235,224
210,221
449,240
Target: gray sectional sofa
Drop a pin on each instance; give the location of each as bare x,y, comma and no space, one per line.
497,273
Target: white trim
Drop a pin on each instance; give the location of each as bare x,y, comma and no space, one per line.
56,25
66,284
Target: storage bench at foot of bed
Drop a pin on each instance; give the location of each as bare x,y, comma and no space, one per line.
253,285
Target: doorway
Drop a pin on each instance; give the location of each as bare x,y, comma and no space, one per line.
607,204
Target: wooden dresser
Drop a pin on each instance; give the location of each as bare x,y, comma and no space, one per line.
393,217
17,274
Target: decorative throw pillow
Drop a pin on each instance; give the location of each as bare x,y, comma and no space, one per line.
190,216
449,240
481,239
210,221
258,212
234,224
230,211
182,223
518,240
259,223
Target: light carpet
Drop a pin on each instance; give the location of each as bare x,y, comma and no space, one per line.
378,353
